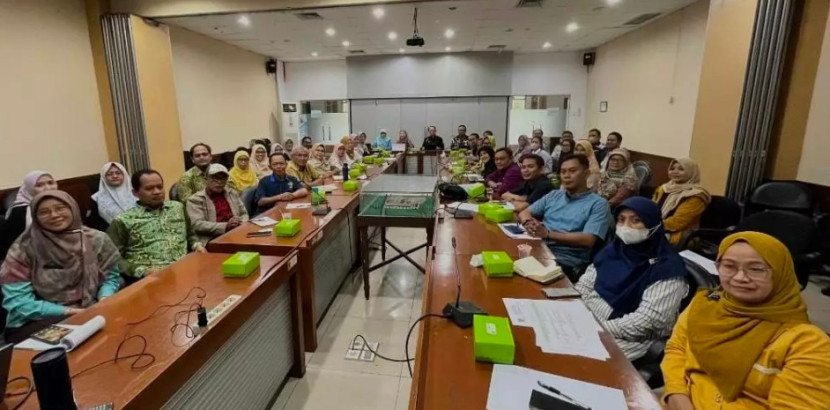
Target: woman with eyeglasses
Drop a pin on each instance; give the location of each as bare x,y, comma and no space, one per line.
636,283
749,344
114,196
19,216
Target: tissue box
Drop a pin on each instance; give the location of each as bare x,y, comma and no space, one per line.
287,227
379,161
240,265
499,215
497,264
493,339
488,206
355,173
369,159
476,190
350,185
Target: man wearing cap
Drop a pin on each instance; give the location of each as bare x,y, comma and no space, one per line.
215,210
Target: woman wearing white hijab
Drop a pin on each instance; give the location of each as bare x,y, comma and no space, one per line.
115,192
259,161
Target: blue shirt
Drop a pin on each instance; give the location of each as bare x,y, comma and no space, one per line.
586,212
272,186
383,143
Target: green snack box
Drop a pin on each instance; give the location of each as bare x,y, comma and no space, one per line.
240,265
476,190
350,185
355,173
379,161
497,264
287,227
499,215
488,206
493,339
369,159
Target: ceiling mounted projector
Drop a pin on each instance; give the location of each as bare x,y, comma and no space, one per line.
416,40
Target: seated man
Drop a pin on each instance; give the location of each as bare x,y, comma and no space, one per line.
299,169
155,233
277,187
536,184
194,179
215,210
573,217
507,176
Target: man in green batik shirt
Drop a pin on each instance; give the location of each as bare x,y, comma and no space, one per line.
154,234
195,179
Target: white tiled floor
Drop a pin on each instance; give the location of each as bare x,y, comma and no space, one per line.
334,382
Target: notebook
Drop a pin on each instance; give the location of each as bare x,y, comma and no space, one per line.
532,269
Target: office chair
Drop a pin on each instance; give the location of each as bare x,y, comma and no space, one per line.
8,201
247,197
174,192
649,364
644,173
782,196
721,213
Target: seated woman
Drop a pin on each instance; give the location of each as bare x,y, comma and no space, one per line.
403,138
584,147
486,162
288,146
522,149
682,200
114,196
749,344
354,149
318,160
57,268
339,157
636,283
277,149
242,176
260,161
566,147
618,180
18,217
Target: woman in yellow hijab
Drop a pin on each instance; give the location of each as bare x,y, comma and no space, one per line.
241,175
748,344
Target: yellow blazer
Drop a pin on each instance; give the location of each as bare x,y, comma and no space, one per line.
793,372
685,217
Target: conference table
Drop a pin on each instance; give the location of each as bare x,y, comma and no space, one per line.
259,332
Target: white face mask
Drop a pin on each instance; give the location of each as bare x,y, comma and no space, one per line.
632,236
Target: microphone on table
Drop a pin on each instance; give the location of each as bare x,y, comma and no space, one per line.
462,312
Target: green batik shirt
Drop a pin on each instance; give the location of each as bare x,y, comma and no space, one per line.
193,181
151,238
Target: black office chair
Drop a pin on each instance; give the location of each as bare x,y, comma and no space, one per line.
8,200
649,365
721,213
647,191
174,192
247,198
644,173
781,196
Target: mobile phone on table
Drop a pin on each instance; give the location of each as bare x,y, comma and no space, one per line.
260,233
52,334
561,293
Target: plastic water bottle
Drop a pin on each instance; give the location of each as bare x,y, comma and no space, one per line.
345,172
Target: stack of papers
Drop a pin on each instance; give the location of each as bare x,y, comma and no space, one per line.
328,188
561,326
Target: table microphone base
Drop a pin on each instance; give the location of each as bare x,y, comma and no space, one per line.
462,315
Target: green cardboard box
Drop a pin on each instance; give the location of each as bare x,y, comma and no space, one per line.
493,339
350,185
476,190
497,264
240,265
355,173
488,206
369,159
379,161
499,215
287,227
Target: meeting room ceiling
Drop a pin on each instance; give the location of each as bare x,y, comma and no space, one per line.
473,25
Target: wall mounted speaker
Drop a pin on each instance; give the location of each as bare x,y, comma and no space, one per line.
589,58
271,66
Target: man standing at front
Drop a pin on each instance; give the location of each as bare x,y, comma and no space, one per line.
195,179
461,140
573,218
278,186
155,233
298,168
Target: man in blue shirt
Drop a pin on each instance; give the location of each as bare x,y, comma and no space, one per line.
278,186
573,218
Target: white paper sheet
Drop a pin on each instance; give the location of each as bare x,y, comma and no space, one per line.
337,177
707,264
511,235
263,221
80,333
520,312
511,387
301,205
328,188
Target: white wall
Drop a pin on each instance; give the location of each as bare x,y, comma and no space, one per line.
225,98
650,78
813,166
314,80
50,115
554,74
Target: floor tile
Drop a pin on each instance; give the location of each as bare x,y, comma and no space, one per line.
391,335
285,394
377,307
404,388
323,389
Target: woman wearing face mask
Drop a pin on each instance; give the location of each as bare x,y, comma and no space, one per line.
114,196
57,268
749,344
536,147
19,217
618,180
636,283
682,200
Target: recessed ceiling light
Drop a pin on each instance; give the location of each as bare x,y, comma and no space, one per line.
447,48
330,32
244,20
571,27
346,43
612,2
392,35
449,33
314,54
547,44
378,12
400,50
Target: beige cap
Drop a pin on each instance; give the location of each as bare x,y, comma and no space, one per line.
217,169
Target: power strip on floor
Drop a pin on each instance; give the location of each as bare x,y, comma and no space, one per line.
359,352
218,309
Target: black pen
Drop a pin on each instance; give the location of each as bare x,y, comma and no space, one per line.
556,391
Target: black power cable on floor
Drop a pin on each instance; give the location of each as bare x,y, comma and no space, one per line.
407,360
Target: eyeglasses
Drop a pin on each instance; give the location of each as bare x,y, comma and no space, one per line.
755,271
114,174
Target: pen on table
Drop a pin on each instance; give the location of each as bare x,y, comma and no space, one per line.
556,391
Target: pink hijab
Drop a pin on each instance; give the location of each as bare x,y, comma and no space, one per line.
27,191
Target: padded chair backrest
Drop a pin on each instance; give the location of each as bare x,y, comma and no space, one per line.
644,173
698,278
798,232
247,197
8,200
783,196
174,192
721,213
